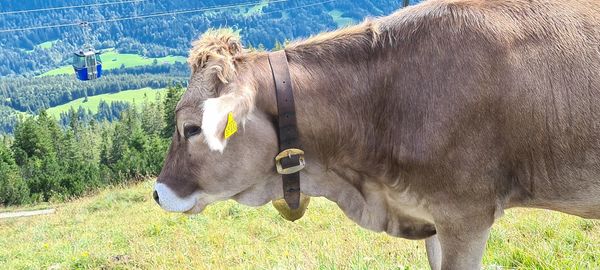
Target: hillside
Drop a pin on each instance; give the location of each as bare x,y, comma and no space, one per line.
122,228
131,96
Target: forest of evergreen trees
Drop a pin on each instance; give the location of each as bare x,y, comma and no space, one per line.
46,161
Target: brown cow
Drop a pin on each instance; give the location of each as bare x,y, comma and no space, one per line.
427,123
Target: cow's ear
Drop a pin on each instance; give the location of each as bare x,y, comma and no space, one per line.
223,114
214,53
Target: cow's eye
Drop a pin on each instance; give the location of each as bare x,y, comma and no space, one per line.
191,130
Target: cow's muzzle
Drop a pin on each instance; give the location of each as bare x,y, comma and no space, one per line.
168,200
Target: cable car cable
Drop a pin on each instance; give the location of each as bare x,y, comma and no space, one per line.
71,7
139,17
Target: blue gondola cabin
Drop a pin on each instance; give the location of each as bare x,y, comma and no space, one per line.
87,65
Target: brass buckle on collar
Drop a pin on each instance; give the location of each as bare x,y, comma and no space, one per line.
288,153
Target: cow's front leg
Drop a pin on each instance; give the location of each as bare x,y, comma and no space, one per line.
462,242
434,252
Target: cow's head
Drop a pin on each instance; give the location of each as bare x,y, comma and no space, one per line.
202,165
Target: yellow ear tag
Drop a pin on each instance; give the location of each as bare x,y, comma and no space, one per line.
231,127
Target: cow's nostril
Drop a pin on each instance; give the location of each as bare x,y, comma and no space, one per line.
155,196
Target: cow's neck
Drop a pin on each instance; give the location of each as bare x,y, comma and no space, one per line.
341,114
342,136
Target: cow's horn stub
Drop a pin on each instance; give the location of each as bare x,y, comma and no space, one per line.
292,214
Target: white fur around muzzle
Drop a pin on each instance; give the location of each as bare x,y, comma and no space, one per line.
169,201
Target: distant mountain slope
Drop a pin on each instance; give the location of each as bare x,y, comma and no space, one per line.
260,21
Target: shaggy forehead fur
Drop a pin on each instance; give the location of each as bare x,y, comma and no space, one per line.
214,44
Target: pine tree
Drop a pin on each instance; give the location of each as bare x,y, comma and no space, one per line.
73,120
174,93
33,140
13,189
105,147
278,46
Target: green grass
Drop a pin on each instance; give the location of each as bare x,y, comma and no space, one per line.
114,60
122,228
132,96
47,44
339,19
59,71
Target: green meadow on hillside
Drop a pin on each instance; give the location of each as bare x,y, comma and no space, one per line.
114,60
122,228
132,96
47,44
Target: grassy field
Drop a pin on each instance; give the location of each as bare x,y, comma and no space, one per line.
132,96
47,44
114,60
339,19
122,228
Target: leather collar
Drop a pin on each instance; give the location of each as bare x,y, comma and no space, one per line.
290,160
